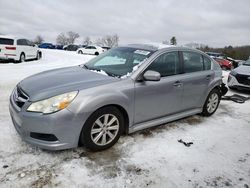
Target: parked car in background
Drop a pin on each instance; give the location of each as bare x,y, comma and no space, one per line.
240,62
224,64
233,61
46,46
59,47
18,49
215,54
71,47
106,48
92,50
67,107
239,78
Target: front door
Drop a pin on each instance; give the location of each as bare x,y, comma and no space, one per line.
155,99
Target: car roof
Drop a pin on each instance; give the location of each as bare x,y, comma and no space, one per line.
161,47
8,37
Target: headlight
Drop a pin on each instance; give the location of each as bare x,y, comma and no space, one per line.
53,104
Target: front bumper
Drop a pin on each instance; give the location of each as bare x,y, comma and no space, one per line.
64,125
233,83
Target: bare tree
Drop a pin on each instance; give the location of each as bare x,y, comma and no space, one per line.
87,41
72,36
109,40
38,40
69,38
62,39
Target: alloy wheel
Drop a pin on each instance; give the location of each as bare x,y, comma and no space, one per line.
212,102
105,129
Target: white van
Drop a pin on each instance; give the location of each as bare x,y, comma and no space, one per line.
18,49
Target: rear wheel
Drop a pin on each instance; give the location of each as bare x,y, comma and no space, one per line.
80,52
212,102
22,58
103,129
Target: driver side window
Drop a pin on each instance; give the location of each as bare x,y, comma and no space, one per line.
166,64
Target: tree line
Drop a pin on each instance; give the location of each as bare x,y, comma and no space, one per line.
70,38
238,52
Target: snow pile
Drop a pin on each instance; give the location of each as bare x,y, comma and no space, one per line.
100,72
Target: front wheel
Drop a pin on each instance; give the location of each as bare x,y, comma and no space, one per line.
103,129
212,102
38,55
80,52
96,53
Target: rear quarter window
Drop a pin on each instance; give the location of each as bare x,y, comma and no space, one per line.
4,41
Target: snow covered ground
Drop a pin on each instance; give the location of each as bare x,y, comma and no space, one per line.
219,156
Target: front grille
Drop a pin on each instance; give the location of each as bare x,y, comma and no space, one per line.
243,79
20,97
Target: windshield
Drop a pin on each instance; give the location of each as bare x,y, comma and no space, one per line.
247,62
118,61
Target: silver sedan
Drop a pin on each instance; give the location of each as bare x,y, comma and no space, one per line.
124,90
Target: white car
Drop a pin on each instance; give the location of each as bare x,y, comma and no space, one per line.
93,50
18,49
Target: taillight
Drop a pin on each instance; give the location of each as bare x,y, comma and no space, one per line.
10,48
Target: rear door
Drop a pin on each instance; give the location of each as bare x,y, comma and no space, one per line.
196,78
155,99
22,47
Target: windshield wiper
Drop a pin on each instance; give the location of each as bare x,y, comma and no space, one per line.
112,74
85,66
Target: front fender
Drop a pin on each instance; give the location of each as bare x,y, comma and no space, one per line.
85,104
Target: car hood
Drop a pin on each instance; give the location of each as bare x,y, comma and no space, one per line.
243,69
54,82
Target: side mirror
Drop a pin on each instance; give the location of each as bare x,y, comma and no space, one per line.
152,76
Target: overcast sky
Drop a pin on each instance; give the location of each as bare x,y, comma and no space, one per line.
213,22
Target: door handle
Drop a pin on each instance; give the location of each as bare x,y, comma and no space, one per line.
177,84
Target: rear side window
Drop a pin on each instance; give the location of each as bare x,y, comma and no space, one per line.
193,62
22,42
166,64
5,41
207,63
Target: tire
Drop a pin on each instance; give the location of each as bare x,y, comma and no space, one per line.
96,53
212,102
94,136
22,58
38,55
80,52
